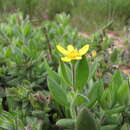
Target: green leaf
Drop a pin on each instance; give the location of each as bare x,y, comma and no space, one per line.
26,30
94,66
116,110
115,85
20,125
125,127
65,73
117,79
38,113
110,127
123,94
114,56
66,123
80,99
7,120
59,95
110,119
52,74
82,73
106,99
17,55
77,101
95,93
8,52
1,106
85,120
55,86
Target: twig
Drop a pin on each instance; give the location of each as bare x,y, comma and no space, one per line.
48,43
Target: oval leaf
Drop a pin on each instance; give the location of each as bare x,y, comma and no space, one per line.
57,92
82,73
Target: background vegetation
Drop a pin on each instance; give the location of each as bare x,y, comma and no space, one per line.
83,12
38,91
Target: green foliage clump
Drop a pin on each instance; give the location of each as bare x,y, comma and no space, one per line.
22,74
39,91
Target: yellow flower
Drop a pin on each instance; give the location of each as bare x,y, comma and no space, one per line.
71,53
94,53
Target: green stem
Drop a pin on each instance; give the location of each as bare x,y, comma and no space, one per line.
73,108
73,76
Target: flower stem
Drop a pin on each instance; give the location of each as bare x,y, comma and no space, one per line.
73,75
73,108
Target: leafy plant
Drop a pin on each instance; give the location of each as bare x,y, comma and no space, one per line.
41,89
108,104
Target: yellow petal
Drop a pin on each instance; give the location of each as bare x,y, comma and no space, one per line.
94,53
84,50
62,50
66,59
78,58
70,48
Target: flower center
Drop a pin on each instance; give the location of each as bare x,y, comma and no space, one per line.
73,54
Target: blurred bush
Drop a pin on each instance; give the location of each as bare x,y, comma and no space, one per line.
84,12
26,6
94,14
